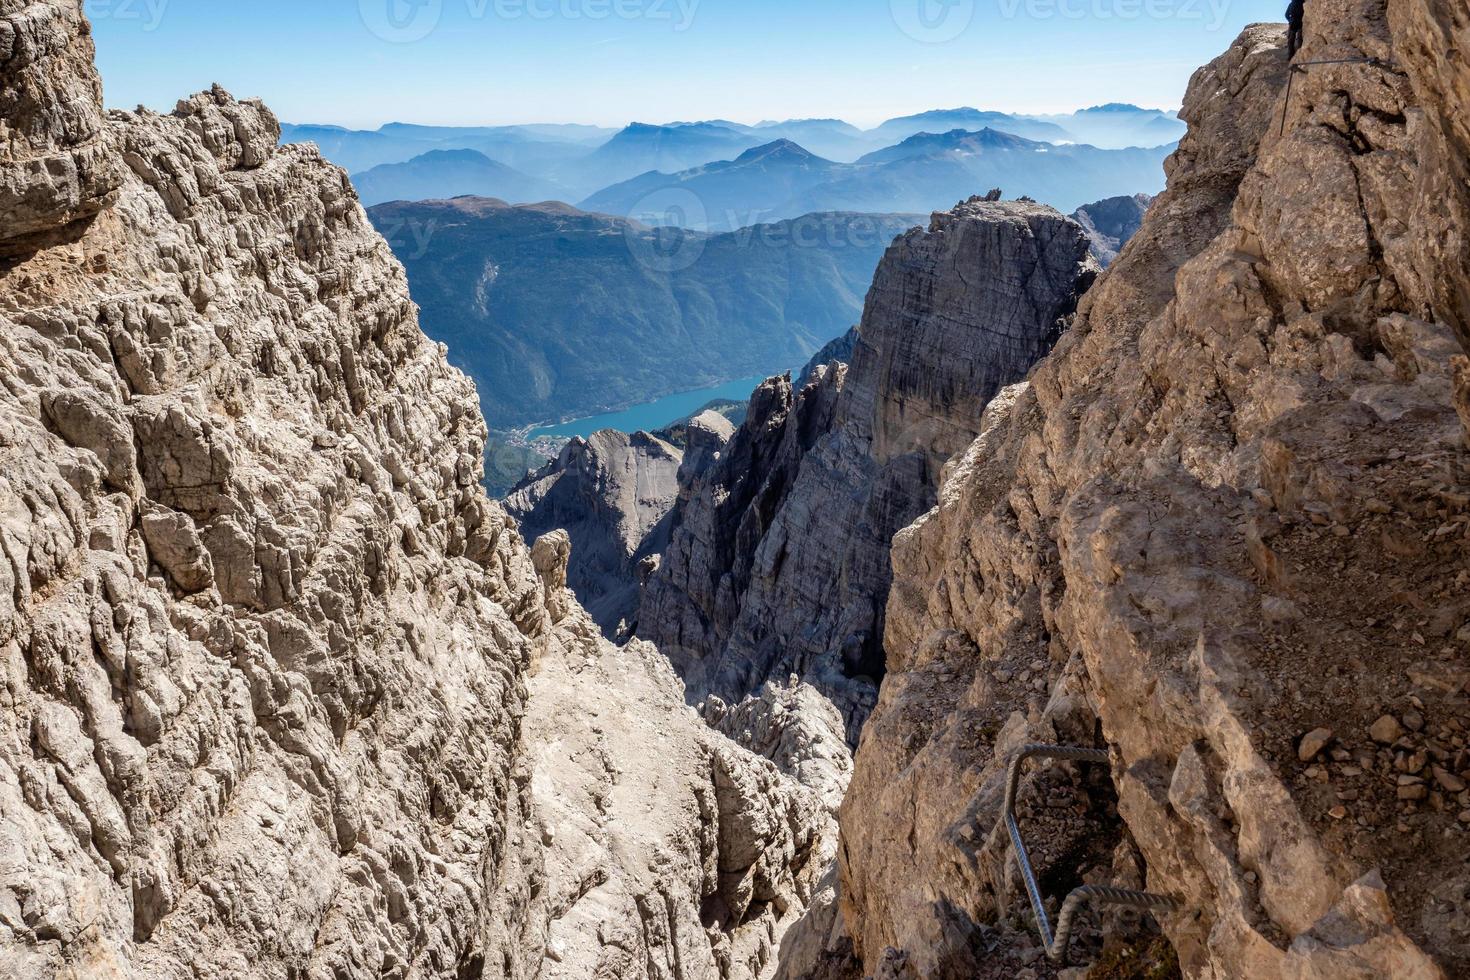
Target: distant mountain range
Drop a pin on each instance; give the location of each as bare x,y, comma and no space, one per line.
558,313
530,148
452,173
925,172
971,120
640,148
766,183
1118,125
583,159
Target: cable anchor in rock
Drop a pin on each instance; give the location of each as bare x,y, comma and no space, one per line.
1057,943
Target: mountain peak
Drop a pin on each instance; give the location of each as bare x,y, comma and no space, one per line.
462,155
782,149
1115,107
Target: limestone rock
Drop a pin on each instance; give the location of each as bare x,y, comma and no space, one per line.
778,564
261,708
56,171
1111,224
265,643
1462,394
794,726
173,542
552,555
670,852
611,494
705,437
1427,37
1313,742
1253,402
839,350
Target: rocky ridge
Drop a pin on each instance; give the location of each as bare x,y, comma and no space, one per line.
612,494
668,850
777,571
1111,224
1222,532
56,172
286,695
280,683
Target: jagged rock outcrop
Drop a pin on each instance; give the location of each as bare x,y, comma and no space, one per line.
705,438
840,349
779,565
668,850
1111,224
1222,532
55,172
612,494
266,643
248,571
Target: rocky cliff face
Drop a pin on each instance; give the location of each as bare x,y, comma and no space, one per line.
286,695
666,850
55,171
779,561
612,494
1111,224
279,681
1223,532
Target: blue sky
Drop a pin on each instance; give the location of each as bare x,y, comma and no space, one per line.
361,63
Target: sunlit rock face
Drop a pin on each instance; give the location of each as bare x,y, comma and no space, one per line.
284,693
55,170
1220,532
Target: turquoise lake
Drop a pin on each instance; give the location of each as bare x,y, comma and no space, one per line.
655,414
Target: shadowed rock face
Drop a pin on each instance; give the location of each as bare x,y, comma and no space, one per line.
55,171
1111,224
612,494
1222,532
285,694
778,566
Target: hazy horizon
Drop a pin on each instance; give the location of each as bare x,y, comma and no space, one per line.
361,64
649,121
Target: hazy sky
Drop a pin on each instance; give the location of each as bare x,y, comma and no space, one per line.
361,63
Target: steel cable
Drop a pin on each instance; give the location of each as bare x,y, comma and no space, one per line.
1057,944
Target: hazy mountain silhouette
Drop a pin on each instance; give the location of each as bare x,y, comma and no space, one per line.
452,173
944,120
924,173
